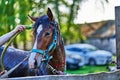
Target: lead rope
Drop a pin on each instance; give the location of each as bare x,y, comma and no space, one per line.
54,71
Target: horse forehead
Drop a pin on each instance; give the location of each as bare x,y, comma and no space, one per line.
44,17
44,20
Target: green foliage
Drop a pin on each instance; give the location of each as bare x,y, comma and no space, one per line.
14,12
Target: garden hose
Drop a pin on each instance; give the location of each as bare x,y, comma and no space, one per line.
10,41
28,27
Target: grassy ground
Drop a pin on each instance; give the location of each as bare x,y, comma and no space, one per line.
88,69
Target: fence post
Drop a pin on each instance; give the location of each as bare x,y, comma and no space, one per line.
117,24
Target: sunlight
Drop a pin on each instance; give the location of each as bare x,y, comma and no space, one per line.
91,12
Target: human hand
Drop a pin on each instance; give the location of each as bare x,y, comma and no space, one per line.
20,28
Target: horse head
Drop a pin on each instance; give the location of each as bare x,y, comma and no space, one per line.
47,40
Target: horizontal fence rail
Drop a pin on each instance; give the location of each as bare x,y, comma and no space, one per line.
115,75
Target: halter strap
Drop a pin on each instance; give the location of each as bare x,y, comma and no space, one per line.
44,53
38,51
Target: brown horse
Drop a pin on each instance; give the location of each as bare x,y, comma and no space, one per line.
48,46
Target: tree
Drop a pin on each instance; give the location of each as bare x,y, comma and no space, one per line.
15,12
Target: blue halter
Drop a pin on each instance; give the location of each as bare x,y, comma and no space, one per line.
52,47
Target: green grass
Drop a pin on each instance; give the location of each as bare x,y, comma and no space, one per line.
88,69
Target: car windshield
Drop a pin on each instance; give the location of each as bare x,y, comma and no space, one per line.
81,48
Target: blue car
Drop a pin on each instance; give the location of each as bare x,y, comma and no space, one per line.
74,61
90,53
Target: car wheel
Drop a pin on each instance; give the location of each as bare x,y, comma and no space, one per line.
72,67
92,62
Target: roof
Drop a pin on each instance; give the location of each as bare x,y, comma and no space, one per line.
102,29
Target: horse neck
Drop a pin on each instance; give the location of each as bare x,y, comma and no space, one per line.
58,61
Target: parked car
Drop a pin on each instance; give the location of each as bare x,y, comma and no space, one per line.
74,61
90,53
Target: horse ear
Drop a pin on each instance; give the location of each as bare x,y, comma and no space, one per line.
50,14
32,18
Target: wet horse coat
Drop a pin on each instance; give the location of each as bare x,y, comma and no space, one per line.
12,58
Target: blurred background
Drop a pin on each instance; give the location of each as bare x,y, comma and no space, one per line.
83,22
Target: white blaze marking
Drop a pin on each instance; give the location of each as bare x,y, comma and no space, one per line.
33,54
39,29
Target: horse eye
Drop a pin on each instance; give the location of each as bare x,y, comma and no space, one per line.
47,34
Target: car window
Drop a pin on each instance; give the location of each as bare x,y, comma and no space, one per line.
74,49
84,50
